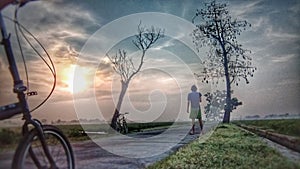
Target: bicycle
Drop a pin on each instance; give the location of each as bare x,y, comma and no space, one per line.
42,146
121,124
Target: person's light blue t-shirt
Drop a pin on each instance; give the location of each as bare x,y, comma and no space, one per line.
194,97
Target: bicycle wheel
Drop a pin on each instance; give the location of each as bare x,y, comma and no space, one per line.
30,153
118,127
125,127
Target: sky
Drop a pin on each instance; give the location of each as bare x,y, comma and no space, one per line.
77,34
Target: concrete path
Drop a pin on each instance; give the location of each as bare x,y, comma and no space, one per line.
284,144
133,151
288,153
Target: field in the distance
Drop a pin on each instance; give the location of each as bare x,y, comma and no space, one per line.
10,136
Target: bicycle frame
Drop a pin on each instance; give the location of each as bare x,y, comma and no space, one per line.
10,110
121,118
21,106
121,123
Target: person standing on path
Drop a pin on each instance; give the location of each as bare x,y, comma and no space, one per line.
193,107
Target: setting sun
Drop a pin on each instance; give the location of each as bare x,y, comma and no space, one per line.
76,78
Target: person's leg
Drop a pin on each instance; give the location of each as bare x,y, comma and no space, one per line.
192,131
201,124
200,119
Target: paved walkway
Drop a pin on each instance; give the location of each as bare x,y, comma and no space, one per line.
133,151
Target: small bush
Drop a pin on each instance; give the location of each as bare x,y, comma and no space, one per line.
76,133
8,137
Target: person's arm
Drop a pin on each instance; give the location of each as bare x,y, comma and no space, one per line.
200,100
188,103
188,106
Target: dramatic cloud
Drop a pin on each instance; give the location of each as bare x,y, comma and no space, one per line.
64,27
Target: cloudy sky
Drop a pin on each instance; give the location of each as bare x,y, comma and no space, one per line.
77,34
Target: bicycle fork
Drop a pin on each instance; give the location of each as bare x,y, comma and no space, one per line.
40,133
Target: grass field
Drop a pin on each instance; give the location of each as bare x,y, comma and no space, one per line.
228,147
282,126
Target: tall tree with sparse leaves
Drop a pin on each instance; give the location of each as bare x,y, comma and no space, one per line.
216,29
124,65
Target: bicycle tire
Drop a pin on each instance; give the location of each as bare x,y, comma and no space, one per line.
118,127
30,148
125,127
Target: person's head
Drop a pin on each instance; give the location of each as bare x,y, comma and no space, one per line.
194,88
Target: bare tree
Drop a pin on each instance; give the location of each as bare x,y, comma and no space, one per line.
226,57
124,65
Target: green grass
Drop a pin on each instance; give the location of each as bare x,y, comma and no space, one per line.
228,147
284,126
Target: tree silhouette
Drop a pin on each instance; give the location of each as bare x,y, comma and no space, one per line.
226,57
124,65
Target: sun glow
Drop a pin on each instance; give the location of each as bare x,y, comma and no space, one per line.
76,79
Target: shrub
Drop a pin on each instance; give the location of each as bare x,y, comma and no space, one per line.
8,137
76,133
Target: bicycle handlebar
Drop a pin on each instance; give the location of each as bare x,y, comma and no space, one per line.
22,3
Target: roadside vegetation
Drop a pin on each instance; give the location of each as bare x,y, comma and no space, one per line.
283,126
8,138
227,147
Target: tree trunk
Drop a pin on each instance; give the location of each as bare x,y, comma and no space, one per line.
226,118
118,107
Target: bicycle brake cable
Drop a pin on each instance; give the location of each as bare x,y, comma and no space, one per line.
20,47
50,66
